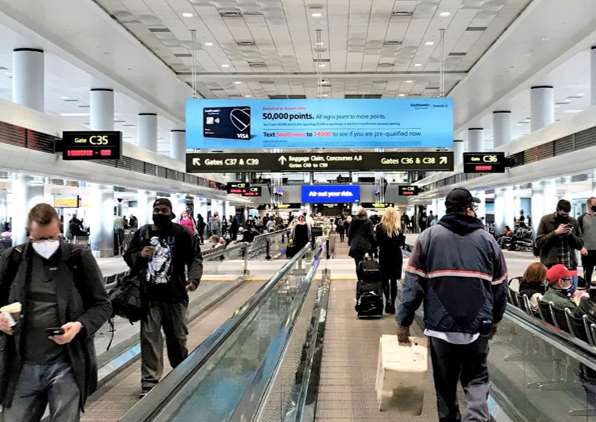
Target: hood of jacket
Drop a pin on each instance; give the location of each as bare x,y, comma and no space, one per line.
460,223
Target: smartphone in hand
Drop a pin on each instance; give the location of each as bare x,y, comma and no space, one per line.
54,331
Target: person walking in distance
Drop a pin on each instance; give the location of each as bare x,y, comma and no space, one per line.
162,254
459,271
48,358
587,231
390,239
361,237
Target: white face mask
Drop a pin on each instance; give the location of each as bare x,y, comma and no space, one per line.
46,248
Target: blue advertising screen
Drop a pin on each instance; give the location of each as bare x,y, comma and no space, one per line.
330,194
360,123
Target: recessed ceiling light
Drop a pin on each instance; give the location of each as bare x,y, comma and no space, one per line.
225,66
544,39
316,14
429,43
444,14
187,15
247,96
417,64
573,111
237,82
322,65
401,95
208,44
320,43
409,81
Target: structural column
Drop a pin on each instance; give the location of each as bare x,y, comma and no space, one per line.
458,153
101,109
25,193
28,77
501,128
147,131
101,219
593,75
178,144
145,200
475,139
542,99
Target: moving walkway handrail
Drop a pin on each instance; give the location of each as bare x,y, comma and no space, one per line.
147,408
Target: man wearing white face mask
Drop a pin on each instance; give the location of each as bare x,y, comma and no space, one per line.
48,357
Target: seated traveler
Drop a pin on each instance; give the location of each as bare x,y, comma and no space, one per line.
560,287
533,283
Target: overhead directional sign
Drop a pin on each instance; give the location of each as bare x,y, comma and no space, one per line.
408,190
91,145
484,162
237,187
324,161
252,191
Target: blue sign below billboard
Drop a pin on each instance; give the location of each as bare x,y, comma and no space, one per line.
330,194
361,123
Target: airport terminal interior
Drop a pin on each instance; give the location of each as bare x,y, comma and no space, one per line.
286,136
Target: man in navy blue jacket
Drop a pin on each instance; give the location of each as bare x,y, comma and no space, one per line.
459,271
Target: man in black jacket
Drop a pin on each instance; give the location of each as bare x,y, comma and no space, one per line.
558,237
160,254
58,286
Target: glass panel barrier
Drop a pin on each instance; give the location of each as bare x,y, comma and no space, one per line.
536,376
230,371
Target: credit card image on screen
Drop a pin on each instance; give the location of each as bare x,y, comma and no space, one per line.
226,122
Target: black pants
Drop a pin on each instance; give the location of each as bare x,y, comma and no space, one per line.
390,289
465,363
588,262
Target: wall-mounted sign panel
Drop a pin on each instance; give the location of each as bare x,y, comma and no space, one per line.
236,187
91,145
408,190
360,123
252,191
484,162
327,161
376,205
67,201
330,194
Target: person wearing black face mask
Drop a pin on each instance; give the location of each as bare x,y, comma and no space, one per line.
558,238
160,254
587,231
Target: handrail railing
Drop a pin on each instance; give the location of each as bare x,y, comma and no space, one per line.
148,408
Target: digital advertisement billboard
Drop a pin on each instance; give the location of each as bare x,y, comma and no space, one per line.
360,123
330,194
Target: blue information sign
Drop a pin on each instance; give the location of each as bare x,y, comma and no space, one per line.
330,194
361,123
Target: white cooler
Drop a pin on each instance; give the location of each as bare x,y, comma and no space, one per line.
401,374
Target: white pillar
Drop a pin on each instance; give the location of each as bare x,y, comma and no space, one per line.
178,144
145,200
500,209
147,131
179,204
501,128
28,77
101,109
101,219
458,153
542,99
475,139
593,75
26,192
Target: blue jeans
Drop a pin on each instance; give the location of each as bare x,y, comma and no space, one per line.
42,385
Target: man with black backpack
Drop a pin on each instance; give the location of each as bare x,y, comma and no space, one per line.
159,255
48,357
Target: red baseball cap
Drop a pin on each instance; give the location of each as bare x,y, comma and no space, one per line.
557,272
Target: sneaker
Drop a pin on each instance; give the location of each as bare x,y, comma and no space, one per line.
144,392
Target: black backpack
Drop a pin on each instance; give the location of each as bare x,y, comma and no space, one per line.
126,296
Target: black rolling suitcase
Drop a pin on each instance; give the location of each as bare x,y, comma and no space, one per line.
369,290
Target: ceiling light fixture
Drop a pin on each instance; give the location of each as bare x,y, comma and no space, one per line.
409,81
429,43
247,96
444,14
573,111
401,95
225,66
316,14
322,65
208,44
417,64
187,15
237,82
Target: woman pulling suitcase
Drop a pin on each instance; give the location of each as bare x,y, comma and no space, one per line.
390,240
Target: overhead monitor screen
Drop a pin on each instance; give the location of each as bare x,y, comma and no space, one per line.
330,194
350,123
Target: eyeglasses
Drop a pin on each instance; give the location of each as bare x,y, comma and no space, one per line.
566,278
